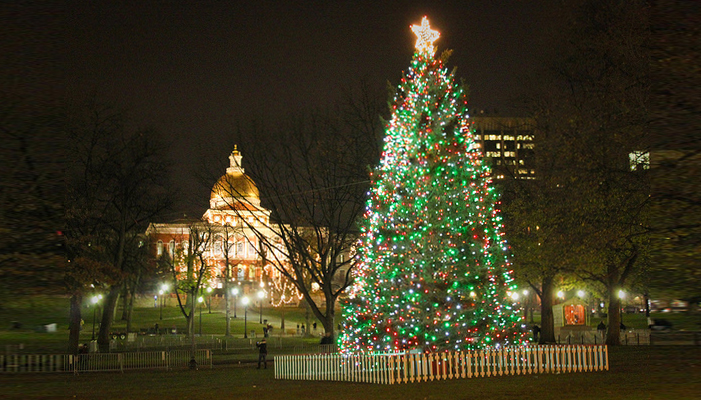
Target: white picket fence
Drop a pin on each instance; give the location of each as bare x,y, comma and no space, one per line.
391,368
101,362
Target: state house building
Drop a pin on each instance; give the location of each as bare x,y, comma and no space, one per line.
235,223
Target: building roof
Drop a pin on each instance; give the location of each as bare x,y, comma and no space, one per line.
234,187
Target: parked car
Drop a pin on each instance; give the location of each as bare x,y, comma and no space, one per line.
118,335
660,325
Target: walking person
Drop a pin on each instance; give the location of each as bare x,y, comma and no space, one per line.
601,328
536,333
262,353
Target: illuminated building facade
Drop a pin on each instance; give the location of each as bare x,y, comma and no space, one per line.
508,142
238,237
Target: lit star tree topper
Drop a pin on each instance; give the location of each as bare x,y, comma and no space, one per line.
425,37
434,273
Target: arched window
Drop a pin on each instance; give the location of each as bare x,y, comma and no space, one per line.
218,243
159,248
252,248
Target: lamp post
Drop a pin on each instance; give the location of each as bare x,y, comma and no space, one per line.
261,295
161,293
209,302
245,316
94,301
160,303
200,300
235,292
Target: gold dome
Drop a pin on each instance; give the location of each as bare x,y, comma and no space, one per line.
234,185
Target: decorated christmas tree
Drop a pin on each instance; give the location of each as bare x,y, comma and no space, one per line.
433,271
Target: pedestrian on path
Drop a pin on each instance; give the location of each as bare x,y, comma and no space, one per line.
262,353
601,328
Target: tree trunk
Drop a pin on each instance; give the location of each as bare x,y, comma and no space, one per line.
307,318
74,323
692,306
646,299
129,308
103,337
547,322
226,301
613,336
330,317
125,299
191,322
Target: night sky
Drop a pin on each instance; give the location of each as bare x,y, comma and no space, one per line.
196,69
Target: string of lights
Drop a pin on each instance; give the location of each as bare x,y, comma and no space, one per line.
434,273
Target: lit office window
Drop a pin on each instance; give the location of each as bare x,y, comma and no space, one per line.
639,160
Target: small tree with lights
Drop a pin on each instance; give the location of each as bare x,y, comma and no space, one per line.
434,273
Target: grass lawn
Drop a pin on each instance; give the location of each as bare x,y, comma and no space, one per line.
636,373
37,311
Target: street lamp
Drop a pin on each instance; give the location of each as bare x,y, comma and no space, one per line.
235,292
245,316
164,289
200,300
261,294
94,301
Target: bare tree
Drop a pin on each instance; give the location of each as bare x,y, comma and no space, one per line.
224,240
312,175
117,181
593,103
187,263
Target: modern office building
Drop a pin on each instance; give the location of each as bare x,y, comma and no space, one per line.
508,143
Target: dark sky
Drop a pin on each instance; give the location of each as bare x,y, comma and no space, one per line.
194,69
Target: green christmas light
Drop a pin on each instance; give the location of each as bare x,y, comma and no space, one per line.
434,271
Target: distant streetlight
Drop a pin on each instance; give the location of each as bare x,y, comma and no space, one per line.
162,293
235,292
245,316
561,294
261,295
525,292
209,303
200,300
621,294
581,293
